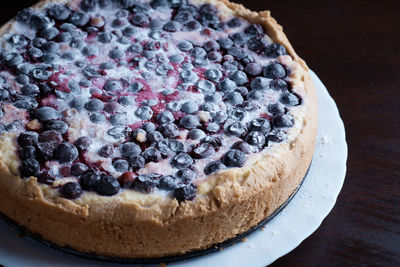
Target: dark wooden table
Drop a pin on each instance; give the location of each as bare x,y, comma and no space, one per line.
354,47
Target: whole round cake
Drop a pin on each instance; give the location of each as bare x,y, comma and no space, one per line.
143,129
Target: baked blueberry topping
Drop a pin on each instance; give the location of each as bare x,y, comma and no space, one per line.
176,83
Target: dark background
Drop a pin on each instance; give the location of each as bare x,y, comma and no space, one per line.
354,47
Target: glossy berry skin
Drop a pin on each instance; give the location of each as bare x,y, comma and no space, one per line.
274,71
107,185
214,167
28,139
89,180
204,150
275,50
181,160
71,190
185,175
78,169
167,183
187,192
282,121
256,138
83,143
29,167
234,158
66,152
130,149
137,162
146,183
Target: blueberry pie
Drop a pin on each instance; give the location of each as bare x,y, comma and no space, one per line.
142,129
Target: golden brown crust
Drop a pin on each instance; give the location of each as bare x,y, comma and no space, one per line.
230,202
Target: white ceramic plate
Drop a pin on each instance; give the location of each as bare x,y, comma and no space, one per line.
301,217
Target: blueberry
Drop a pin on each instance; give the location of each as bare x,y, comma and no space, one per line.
57,125
79,18
219,116
49,33
71,190
254,30
239,77
107,185
149,127
234,158
29,167
46,114
214,166
88,5
211,45
89,180
259,124
238,113
83,143
31,90
167,183
115,53
225,42
255,95
244,147
255,138
275,50
176,146
234,98
259,83
215,141
27,103
185,175
74,86
214,56
66,152
145,183
203,150
276,136
78,169
169,130
28,152
50,58
181,160
234,22
135,87
189,107
208,8
215,97
28,139
129,31
205,86
154,136
63,37
192,25
176,58
188,76
77,103
90,72
121,165
51,137
276,108
237,52
89,51
183,16
256,44
18,41
187,192
239,38
251,105
213,127
172,26
104,37
106,151
151,154
189,121
118,119
213,74
164,148
227,85
282,121
21,79
289,99
119,132
130,149
24,16
58,12
185,46
236,129
253,69
198,52
50,46
164,117
13,59
274,71
94,105
278,85
196,134
137,162
39,21
69,55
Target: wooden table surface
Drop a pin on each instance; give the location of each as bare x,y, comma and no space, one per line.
354,47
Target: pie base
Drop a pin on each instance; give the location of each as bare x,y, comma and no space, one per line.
229,203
